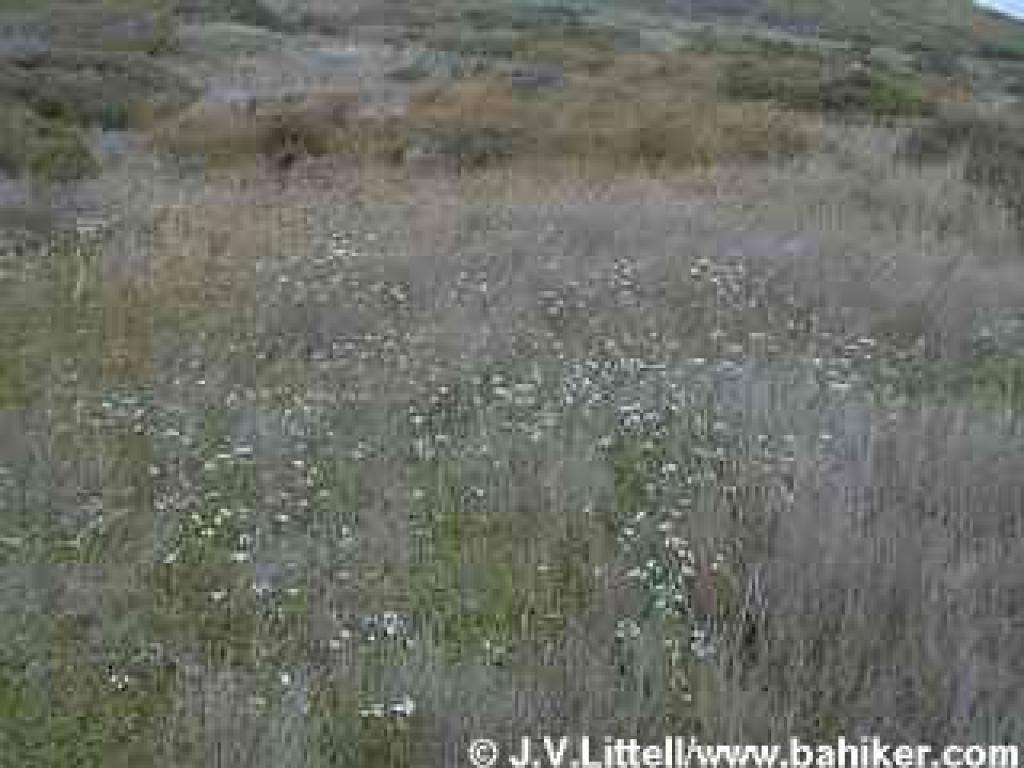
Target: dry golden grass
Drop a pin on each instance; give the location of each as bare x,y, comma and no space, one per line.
639,111
312,124
600,127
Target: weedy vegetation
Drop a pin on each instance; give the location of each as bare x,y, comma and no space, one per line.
377,378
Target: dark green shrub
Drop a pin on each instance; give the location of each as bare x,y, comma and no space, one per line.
878,94
789,80
811,83
940,137
937,60
46,149
993,147
253,13
113,91
1013,51
95,26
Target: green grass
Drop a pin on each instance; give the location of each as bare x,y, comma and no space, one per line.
485,579
77,718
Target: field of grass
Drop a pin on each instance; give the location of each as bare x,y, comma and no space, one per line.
411,374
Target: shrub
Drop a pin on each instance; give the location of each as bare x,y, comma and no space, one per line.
97,26
810,83
227,134
110,90
879,94
937,139
250,12
789,79
1013,51
939,61
42,148
993,146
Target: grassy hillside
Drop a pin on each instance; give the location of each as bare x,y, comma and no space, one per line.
957,25
950,25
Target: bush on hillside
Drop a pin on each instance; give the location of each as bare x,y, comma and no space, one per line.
806,83
45,149
253,13
993,148
280,131
111,90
